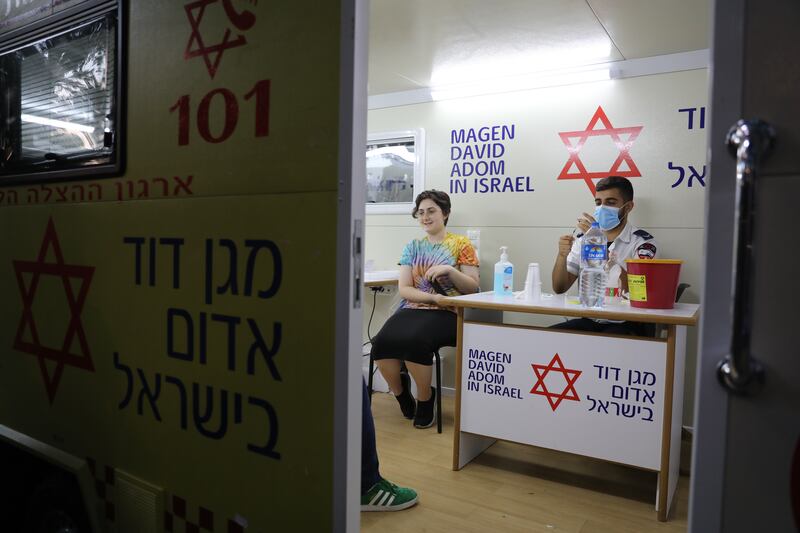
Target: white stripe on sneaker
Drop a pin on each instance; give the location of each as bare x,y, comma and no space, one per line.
380,493
390,500
383,500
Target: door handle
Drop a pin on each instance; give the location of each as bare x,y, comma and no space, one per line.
750,142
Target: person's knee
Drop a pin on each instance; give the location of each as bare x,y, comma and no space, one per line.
581,324
388,363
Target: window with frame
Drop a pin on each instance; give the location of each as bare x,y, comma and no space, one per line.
60,99
395,166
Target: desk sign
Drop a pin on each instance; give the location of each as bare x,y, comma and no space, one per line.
587,394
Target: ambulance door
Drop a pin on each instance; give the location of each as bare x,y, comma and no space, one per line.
181,264
746,460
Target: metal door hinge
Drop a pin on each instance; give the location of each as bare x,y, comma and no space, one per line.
358,262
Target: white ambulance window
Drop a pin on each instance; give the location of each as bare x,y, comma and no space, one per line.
395,166
60,94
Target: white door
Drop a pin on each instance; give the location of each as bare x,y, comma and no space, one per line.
746,460
350,266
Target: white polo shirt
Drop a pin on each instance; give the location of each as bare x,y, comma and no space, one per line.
632,243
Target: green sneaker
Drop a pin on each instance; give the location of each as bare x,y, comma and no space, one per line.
386,496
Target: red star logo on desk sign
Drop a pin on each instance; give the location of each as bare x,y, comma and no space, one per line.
197,44
570,376
76,296
623,138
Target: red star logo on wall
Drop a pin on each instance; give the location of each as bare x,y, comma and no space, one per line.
570,376
623,138
64,355
197,44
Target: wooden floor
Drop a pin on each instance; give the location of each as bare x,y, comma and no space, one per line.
510,487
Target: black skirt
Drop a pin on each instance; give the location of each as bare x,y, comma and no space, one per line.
413,335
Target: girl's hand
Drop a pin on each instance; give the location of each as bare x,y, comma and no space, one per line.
438,271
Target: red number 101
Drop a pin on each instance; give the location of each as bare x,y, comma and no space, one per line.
231,109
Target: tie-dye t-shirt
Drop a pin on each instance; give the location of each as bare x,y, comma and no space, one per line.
421,254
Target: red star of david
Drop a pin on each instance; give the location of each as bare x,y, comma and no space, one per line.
64,355
570,376
196,46
616,134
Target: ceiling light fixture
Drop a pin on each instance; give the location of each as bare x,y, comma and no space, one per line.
522,82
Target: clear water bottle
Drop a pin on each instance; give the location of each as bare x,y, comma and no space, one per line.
594,254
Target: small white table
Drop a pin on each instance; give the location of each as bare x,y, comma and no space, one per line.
381,278
612,397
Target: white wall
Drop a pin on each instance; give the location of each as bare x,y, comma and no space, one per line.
529,223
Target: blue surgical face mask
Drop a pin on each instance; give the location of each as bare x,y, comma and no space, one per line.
607,217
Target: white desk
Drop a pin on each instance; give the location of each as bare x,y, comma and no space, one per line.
381,278
612,397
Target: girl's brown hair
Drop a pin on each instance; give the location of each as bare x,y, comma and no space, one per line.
440,198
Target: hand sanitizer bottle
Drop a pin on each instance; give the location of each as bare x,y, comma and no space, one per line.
503,274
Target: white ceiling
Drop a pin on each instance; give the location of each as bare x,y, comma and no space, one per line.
426,43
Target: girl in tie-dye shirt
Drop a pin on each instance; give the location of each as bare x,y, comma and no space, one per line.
438,265
422,254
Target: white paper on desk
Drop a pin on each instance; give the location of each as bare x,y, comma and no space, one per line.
587,394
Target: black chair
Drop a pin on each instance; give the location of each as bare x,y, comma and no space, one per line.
438,363
681,287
